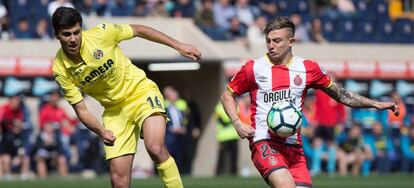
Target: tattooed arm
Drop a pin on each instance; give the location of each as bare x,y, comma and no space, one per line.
355,100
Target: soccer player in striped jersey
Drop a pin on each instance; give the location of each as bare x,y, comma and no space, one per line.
281,76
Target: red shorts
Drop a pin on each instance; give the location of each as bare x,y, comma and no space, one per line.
269,156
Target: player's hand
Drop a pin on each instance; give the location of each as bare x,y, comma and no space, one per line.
389,105
108,137
189,51
244,130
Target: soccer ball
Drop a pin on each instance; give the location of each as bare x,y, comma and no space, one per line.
284,119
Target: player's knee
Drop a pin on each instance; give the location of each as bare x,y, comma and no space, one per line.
155,149
283,184
281,178
119,180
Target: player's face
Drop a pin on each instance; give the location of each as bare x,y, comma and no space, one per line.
279,42
70,39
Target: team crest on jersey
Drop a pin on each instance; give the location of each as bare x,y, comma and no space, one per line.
262,79
98,54
297,80
272,161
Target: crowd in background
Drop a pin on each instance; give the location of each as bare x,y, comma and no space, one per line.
340,140
54,142
59,143
319,21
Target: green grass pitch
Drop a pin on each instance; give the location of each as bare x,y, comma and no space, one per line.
392,181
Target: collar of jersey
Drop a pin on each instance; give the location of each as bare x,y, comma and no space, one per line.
68,62
271,64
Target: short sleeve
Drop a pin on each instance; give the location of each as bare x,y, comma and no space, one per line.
243,81
70,91
118,32
317,76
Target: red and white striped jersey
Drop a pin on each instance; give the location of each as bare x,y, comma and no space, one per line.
268,83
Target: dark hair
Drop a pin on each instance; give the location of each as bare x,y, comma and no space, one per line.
279,23
65,17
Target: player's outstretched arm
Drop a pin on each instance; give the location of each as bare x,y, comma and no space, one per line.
93,124
355,100
229,104
186,50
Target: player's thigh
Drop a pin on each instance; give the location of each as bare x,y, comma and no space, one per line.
153,130
281,178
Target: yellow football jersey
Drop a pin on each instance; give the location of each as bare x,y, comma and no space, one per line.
106,73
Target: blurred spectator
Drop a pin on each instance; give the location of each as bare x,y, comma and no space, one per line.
183,8
329,115
177,111
12,150
255,33
204,19
301,32
102,8
237,31
23,30
351,151
51,113
308,125
243,105
4,23
223,12
381,148
86,7
268,8
228,139
316,34
121,8
193,132
3,10
407,147
246,12
345,7
56,4
159,10
396,122
42,30
49,153
396,10
141,9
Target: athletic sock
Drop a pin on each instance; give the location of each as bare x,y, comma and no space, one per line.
169,174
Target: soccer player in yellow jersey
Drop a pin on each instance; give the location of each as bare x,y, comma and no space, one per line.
92,62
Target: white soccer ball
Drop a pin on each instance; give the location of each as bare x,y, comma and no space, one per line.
284,119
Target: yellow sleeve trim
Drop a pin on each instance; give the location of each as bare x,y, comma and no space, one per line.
330,84
230,89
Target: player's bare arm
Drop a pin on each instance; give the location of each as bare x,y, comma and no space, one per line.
89,120
230,106
186,50
355,100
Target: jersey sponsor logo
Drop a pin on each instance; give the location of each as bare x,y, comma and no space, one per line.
278,96
297,80
101,70
98,54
